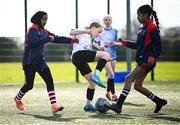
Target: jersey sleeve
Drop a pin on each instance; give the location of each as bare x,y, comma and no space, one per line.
156,43
63,40
130,44
34,39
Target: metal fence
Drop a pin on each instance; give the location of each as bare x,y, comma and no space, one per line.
10,51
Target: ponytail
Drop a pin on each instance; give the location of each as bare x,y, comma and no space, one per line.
156,19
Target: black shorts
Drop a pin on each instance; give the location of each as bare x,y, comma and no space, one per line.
81,58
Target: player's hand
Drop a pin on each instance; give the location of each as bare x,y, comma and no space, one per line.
121,39
51,38
114,43
151,60
101,48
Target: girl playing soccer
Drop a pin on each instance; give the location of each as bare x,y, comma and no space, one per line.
148,46
82,54
34,61
104,43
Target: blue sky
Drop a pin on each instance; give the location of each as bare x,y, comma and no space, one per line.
61,14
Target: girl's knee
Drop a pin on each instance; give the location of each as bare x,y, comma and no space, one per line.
92,85
128,79
29,87
106,56
110,75
137,87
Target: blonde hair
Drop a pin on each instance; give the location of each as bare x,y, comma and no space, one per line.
107,16
94,24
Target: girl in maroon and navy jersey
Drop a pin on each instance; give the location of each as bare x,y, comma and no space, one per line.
34,61
148,46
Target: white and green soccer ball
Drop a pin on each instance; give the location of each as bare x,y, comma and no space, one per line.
100,105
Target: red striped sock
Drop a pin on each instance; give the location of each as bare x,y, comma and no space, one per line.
19,95
52,97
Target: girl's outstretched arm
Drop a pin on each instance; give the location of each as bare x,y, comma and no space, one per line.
77,32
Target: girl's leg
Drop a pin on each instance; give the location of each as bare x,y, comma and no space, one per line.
90,94
114,96
91,87
47,77
137,72
102,58
113,65
110,81
158,101
80,60
29,72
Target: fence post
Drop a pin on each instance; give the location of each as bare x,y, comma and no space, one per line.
152,71
77,73
25,15
128,36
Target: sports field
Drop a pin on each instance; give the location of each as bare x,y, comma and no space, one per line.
137,109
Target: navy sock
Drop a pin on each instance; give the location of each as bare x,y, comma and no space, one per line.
110,86
154,98
101,64
122,97
90,94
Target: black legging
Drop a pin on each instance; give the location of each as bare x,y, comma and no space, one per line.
30,71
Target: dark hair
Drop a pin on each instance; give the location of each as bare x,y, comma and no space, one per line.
36,18
147,9
95,24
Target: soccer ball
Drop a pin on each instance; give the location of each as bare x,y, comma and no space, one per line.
100,105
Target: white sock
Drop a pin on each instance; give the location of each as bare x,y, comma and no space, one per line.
97,72
89,101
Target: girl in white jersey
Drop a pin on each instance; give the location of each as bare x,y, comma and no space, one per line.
82,54
106,42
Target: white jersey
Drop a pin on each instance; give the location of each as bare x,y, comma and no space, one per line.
85,43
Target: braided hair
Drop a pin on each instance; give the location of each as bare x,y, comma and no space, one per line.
147,9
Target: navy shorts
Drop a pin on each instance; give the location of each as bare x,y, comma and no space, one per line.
146,67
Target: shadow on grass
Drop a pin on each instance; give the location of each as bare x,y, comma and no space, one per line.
133,104
164,117
55,117
159,116
110,116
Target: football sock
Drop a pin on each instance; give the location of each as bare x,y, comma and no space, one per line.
101,64
52,97
90,94
97,72
154,98
19,95
110,86
89,101
122,97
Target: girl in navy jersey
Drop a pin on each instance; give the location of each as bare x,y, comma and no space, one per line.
148,46
34,60
82,54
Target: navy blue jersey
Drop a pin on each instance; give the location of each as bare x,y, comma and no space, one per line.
148,43
34,44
